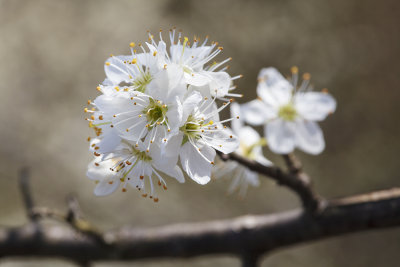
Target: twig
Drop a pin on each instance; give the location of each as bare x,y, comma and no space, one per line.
300,184
293,163
255,234
25,188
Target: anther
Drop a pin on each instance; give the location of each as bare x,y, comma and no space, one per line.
165,187
96,164
88,139
132,44
89,102
110,182
116,88
134,61
144,195
155,53
294,70
101,117
156,199
306,76
124,189
141,177
325,91
98,88
212,162
108,63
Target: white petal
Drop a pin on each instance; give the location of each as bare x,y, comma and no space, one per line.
224,140
315,106
309,137
196,79
175,172
108,143
237,124
248,136
251,177
220,81
273,88
190,103
263,160
104,188
280,136
117,71
256,112
194,164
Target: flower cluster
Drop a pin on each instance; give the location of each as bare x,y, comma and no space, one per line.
158,112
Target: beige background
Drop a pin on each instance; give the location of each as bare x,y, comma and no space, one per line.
51,60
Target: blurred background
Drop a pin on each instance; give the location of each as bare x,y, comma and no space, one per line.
52,55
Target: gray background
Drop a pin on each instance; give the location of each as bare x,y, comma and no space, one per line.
51,60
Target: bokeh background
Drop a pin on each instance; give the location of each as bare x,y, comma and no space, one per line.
51,60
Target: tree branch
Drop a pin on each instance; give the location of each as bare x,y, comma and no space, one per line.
25,188
248,235
298,182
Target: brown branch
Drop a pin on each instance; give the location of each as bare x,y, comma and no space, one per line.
25,188
248,235
297,182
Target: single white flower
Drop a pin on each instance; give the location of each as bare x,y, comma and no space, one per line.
250,146
203,133
136,115
136,70
130,164
211,79
289,112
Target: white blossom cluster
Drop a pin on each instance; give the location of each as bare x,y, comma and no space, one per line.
158,113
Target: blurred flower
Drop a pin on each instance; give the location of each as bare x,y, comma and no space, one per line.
250,147
289,112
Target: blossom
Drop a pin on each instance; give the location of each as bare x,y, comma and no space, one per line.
203,133
130,164
250,146
156,107
289,112
194,60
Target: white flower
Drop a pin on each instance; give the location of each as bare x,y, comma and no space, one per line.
250,147
289,112
202,133
136,115
131,164
210,80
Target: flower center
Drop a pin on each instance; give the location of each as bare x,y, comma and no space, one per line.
141,155
155,112
193,128
287,112
142,81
